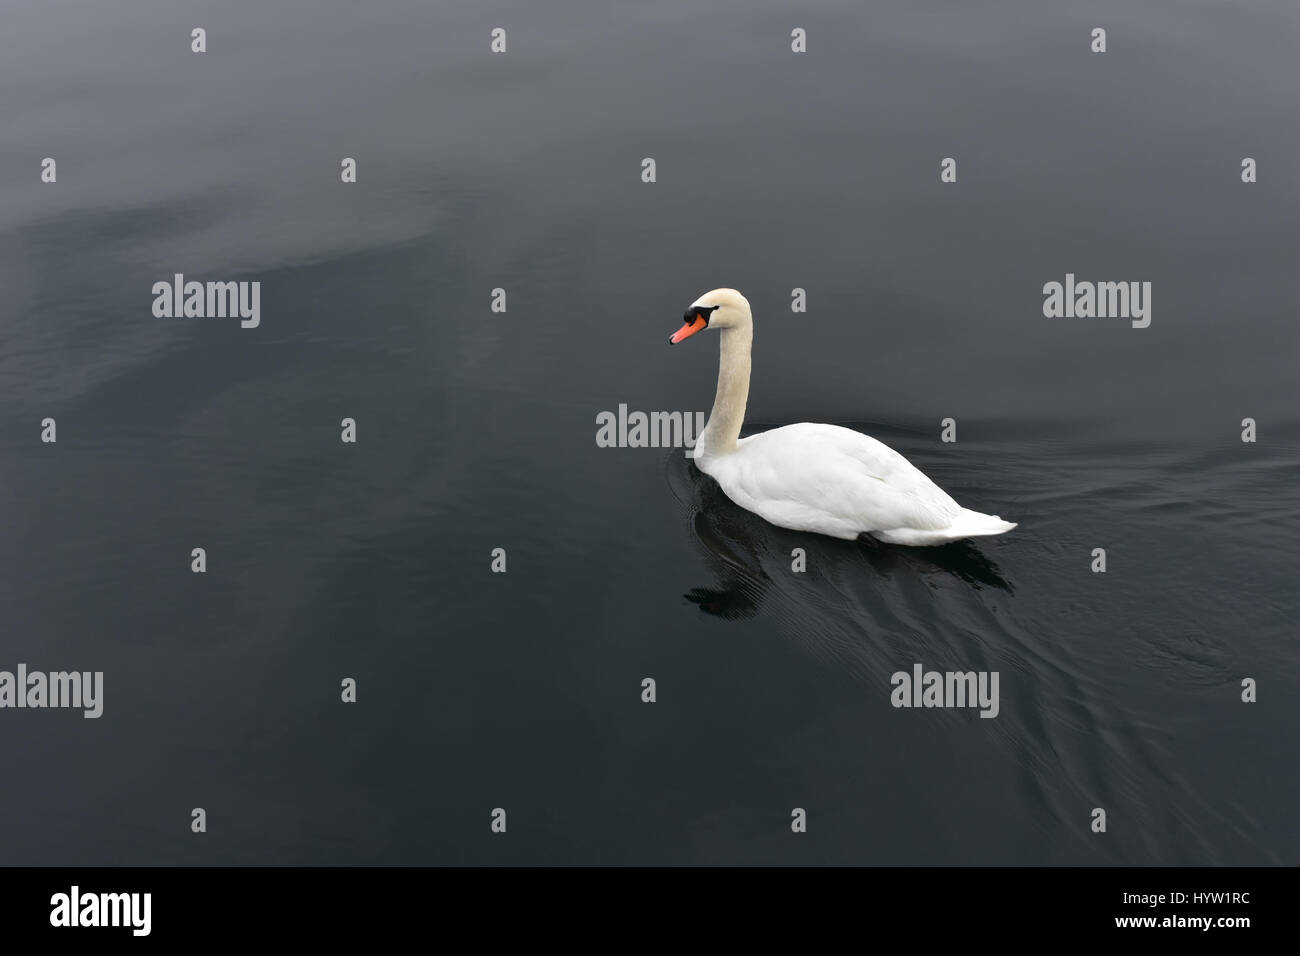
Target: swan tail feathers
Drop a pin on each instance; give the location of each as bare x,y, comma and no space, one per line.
975,524
967,524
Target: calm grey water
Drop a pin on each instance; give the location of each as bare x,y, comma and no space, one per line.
477,431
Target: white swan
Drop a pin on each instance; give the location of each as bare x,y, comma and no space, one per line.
807,477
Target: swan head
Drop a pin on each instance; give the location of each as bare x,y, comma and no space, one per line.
719,309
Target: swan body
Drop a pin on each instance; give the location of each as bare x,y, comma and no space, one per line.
820,478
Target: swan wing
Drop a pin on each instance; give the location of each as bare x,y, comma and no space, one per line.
832,480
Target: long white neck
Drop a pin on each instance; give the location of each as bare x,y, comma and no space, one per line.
720,434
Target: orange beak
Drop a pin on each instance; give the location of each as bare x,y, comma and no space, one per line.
687,330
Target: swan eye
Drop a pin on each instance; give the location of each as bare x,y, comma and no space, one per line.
699,312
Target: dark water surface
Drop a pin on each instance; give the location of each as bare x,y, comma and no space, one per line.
477,431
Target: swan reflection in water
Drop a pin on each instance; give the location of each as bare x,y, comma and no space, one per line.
866,606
